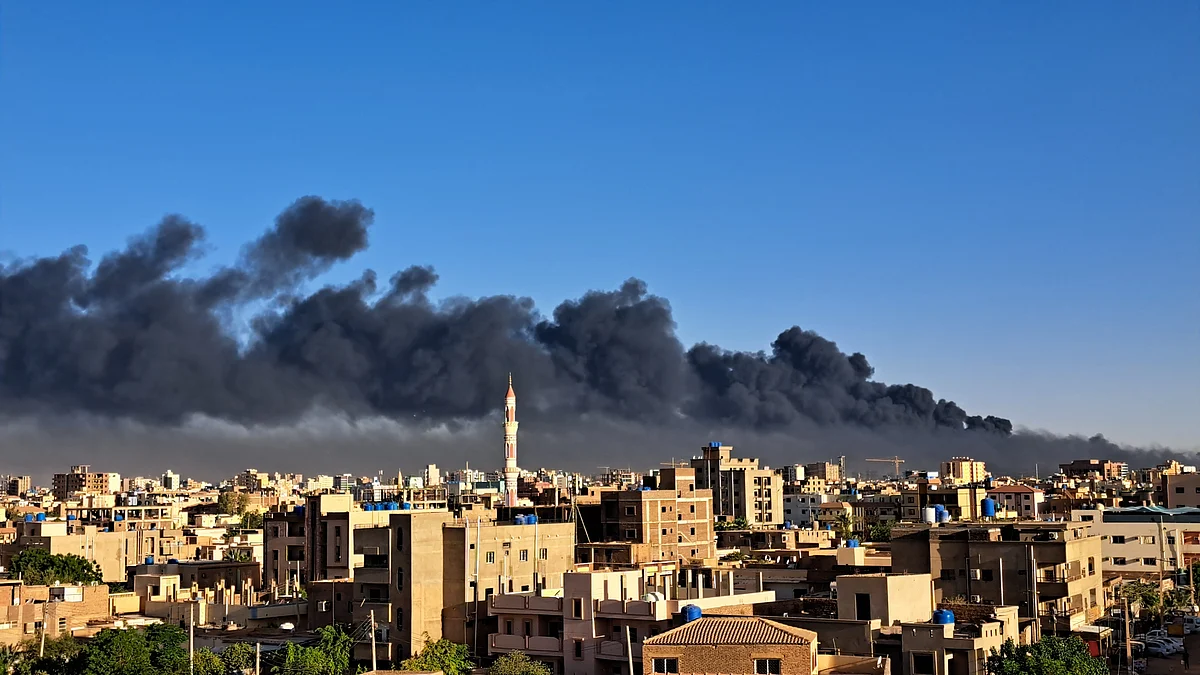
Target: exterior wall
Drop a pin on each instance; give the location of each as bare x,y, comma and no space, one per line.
894,598
963,470
1181,490
1025,502
283,549
670,524
802,509
113,552
25,606
948,653
1142,547
741,489
697,659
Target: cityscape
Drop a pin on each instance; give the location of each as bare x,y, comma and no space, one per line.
717,563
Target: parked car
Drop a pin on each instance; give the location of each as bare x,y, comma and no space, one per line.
1159,648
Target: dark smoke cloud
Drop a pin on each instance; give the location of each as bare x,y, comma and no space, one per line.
135,339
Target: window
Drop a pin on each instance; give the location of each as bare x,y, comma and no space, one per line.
767,667
1118,561
62,623
985,575
577,608
524,554
1091,566
664,531
1149,561
399,618
630,511
579,649
508,627
664,509
630,534
400,580
1149,540
1118,539
1178,490
693,532
491,557
632,634
693,508
399,538
528,627
947,575
922,664
669,666
544,553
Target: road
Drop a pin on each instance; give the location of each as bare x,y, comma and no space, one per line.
1173,664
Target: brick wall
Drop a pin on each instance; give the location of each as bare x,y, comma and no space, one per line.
795,659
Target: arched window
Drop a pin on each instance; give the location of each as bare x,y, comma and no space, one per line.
399,538
399,618
400,580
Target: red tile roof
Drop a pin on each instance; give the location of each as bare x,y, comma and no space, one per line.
731,630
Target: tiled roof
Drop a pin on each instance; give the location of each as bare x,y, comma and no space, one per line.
733,630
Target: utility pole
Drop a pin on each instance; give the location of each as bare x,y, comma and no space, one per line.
42,649
1128,644
629,647
257,658
192,638
374,666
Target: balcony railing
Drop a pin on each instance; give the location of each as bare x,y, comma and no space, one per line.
523,603
615,649
530,644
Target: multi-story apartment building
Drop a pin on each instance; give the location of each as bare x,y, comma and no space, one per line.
963,503
741,489
733,644
963,471
113,552
826,471
672,520
1145,541
1023,501
81,480
1095,468
792,473
19,485
600,620
284,543
802,508
1182,489
1050,571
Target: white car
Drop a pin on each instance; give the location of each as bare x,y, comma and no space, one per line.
1159,648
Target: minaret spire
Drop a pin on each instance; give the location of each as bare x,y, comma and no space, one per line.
510,445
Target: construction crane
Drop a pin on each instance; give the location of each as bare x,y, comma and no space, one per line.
894,461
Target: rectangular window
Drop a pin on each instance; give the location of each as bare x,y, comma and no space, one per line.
1178,490
947,575
1118,539
922,664
630,534
666,666
1149,561
630,511
577,608
664,509
544,553
491,557
524,555
767,667
1118,561
579,649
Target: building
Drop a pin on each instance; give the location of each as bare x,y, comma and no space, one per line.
511,472
81,480
1050,571
1179,490
963,471
792,473
1145,541
670,521
601,618
1102,469
728,644
802,508
60,609
113,552
1023,501
962,503
740,488
826,471
19,485
284,543
170,480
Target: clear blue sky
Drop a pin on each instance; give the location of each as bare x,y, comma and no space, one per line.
1000,201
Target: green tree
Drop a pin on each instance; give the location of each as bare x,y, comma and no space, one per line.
738,523
37,567
233,503
1049,656
238,555
168,648
449,657
115,652
208,663
237,657
337,645
252,520
518,663
880,530
844,526
296,660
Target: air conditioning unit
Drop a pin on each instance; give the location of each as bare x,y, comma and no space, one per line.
1054,535
975,599
977,574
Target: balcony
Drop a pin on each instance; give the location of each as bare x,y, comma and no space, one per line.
372,575
523,604
625,608
381,606
614,649
534,645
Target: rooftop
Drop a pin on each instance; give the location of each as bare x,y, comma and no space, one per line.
749,630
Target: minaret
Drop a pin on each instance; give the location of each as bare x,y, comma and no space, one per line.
510,445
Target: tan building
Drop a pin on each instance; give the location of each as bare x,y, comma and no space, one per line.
1095,468
826,471
590,626
63,609
731,645
1144,541
962,503
19,485
1049,571
674,521
740,488
113,552
1181,490
891,598
427,573
82,480
284,542
963,471
1022,501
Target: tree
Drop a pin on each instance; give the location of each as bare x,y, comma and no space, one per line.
880,530
252,520
115,652
296,660
738,523
237,657
168,648
337,645
233,503
518,663
844,526
208,663
1153,600
37,567
1049,656
449,657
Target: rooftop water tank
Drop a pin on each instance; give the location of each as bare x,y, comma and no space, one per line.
691,613
943,516
928,515
406,506
393,506
943,616
988,507
939,508
71,516
118,517
851,543
299,509
714,444
368,506
173,561
787,524
149,560
29,517
41,517
531,519
519,520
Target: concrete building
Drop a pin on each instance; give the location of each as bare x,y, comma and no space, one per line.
24,610
792,473
1023,501
1144,541
82,480
963,503
591,625
284,543
803,508
1095,468
826,471
731,645
741,489
1180,490
671,521
19,485
1050,571
113,552
963,471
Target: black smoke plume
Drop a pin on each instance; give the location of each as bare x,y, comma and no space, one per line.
134,338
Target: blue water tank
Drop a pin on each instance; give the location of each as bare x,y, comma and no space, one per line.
851,543
531,519
71,516
149,560
519,520
41,517
787,524
987,482
406,506
988,507
29,517
938,508
943,616
368,506
172,561
714,444
829,526
943,516
118,517
393,506
691,613
299,509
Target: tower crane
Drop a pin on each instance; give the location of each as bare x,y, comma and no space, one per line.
894,461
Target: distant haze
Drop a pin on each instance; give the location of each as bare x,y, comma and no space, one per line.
131,365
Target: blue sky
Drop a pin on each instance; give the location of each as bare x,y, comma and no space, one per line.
999,201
